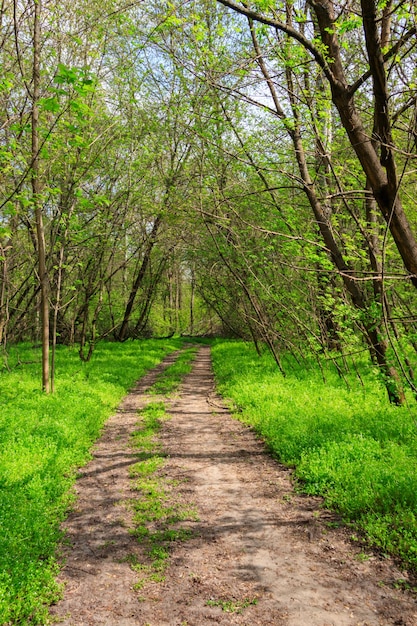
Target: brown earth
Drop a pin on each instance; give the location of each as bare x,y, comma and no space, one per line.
259,553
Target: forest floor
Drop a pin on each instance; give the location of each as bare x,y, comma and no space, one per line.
257,552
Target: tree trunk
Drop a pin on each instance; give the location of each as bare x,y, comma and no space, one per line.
36,193
380,171
139,278
322,215
4,308
192,298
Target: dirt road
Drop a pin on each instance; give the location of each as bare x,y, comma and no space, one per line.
258,554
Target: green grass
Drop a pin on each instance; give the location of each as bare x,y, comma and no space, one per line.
233,606
43,439
170,379
156,512
348,445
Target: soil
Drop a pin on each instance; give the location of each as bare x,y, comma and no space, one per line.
259,552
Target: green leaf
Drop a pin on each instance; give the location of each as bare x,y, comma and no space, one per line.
50,104
66,74
5,231
351,23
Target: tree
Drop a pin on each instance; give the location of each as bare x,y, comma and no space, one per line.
380,170
196,169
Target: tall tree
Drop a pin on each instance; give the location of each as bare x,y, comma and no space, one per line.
381,170
37,199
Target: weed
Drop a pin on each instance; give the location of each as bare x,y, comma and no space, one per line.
171,534
402,583
233,606
183,515
154,514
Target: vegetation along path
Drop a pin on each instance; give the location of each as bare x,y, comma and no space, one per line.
196,524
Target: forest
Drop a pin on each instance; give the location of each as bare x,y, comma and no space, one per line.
222,171
211,168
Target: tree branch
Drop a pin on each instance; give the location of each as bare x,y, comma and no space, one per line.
288,30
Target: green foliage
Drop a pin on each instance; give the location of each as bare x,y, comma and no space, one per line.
42,441
360,474
348,445
233,606
350,22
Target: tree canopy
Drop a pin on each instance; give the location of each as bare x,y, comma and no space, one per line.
244,169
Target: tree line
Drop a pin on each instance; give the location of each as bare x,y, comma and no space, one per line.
206,167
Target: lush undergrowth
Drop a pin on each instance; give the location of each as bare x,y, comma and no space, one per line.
42,440
347,444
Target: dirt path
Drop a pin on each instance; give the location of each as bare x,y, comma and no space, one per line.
259,554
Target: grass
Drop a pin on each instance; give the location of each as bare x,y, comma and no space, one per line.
43,439
233,606
169,380
348,444
156,513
